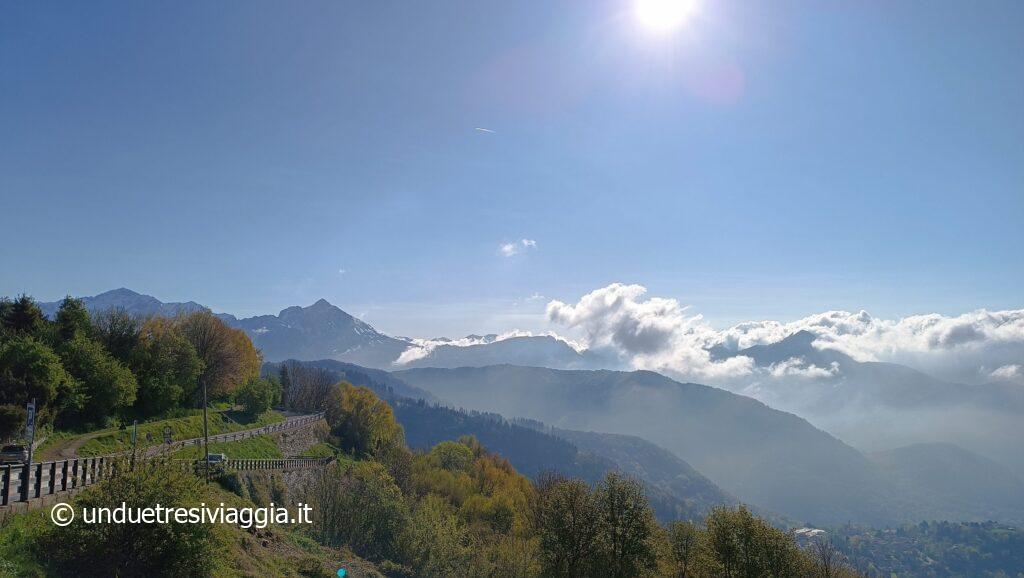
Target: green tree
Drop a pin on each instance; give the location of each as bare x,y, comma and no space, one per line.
361,508
118,331
12,420
31,370
107,385
256,396
452,456
364,424
72,320
627,526
569,528
109,549
743,545
435,542
685,539
166,366
23,317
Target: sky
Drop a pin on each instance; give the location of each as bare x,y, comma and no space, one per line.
442,168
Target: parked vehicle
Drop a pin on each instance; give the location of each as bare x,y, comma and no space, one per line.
13,453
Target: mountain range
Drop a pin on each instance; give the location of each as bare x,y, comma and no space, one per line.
763,456
878,406
919,429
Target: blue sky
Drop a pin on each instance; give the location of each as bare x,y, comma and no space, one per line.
762,160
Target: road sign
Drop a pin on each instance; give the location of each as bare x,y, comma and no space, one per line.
30,429
30,424
167,434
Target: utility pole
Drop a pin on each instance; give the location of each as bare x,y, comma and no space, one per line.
206,437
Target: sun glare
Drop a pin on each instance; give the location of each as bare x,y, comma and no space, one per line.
664,15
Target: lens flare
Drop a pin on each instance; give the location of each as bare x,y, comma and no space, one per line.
664,15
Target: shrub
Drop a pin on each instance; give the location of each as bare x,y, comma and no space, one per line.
135,549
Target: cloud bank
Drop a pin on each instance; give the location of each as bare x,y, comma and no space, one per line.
658,333
420,348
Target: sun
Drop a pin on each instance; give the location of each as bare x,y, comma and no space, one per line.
664,15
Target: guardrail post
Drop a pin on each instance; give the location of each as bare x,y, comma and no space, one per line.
23,476
37,472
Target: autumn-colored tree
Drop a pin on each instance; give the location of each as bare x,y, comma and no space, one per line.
228,355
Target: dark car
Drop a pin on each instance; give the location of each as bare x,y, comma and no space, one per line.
13,453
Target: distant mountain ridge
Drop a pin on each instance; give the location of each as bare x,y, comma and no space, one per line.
324,331
676,490
761,455
877,405
319,331
132,302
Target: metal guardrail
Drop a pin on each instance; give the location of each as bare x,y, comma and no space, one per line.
25,483
287,464
22,483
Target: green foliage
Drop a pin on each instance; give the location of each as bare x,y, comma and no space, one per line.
955,549
361,507
452,456
22,317
107,386
115,440
363,423
72,320
118,331
254,448
31,370
12,419
320,450
740,544
569,527
685,539
167,368
256,396
435,539
627,525
135,549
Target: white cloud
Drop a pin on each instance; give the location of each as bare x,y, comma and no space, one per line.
342,271
655,332
658,333
420,348
516,247
1010,372
798,367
